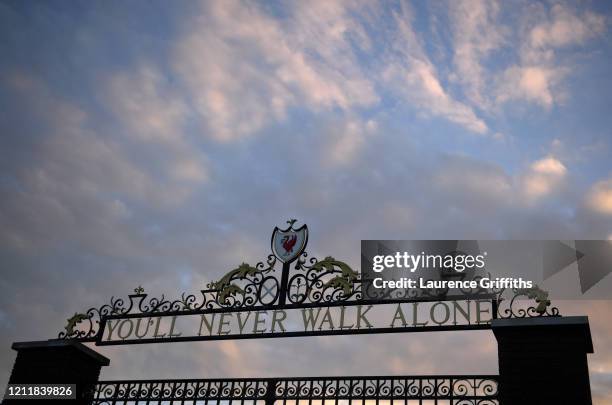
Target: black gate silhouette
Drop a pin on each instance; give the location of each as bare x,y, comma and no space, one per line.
539,351
460,390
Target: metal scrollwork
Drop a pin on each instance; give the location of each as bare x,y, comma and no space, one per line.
461,389
303,281
245,286
518,306
323,281
241,287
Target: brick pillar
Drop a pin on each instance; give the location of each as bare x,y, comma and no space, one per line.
57,362
543,360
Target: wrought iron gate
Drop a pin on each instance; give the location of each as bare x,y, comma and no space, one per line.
405,390
330,298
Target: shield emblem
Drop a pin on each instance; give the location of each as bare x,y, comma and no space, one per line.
288,244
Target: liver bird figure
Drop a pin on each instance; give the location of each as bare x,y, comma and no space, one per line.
289,242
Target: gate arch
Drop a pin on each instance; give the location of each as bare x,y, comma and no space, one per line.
256,301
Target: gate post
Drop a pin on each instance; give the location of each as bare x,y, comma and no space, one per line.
271,391
543,360
57,362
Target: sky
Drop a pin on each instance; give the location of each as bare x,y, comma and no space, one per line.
158,144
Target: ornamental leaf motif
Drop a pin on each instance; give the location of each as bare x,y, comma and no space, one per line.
226,288
344,281
330,264
536,293
73,321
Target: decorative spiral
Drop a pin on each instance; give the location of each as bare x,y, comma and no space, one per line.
371,387
487,387
511,309
344,387
310,282
463,388
428,387
413,388
398,388
443,387
317,389
460,389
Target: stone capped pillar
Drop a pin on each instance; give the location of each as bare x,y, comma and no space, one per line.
57,362
543,360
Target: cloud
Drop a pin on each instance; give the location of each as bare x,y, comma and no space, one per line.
565,27
346,139
204,133
410,73
530,83
258,68
599,197
538,75
153,114
189,171
245,69
482,186
477,33
146,106
82,182
600,363
543,178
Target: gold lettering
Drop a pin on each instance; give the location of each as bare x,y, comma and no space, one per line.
172,323
204,322
276,319
399,315
258,322
361,315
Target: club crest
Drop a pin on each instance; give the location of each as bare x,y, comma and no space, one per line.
288,244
